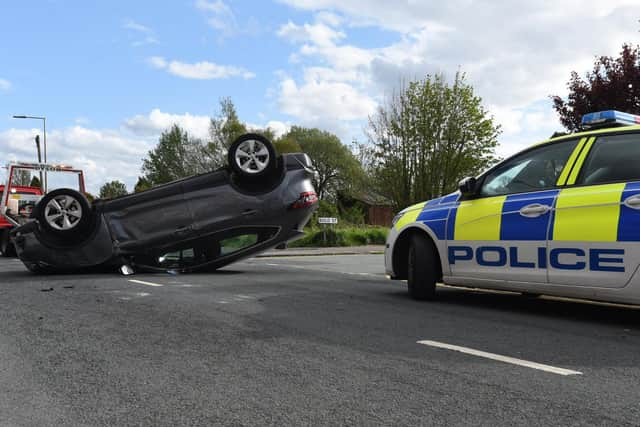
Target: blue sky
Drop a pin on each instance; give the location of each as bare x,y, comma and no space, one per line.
110,76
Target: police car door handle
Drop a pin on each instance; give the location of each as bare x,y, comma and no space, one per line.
633,202
534,210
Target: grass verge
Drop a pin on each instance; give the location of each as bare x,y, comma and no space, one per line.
347,236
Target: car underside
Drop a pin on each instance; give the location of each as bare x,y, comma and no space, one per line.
201,222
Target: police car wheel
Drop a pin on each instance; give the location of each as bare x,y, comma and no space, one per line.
422,271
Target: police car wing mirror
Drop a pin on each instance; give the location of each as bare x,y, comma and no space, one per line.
467,185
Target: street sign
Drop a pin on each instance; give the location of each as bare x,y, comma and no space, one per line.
327,220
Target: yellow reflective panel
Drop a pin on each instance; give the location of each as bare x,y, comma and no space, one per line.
583,155
562,180
410,216
479,219
588,213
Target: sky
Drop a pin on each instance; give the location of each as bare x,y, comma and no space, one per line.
110,76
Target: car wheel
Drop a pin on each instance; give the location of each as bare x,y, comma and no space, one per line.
6,247
423,269
252,156
66,215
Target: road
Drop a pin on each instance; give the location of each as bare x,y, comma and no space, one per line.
304,341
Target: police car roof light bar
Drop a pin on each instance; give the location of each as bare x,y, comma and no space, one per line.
609,118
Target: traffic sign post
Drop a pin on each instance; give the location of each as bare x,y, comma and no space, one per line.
324,221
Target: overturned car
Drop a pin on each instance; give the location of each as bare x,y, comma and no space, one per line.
259,201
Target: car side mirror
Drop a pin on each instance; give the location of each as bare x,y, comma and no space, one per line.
468,186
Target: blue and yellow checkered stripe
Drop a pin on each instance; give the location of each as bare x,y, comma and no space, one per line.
434,214
592,213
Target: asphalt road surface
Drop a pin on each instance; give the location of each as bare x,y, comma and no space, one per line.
306,341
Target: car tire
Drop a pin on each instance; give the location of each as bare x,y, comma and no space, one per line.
65,216
423,271
6,246
252,157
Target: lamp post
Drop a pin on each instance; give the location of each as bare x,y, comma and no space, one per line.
44,129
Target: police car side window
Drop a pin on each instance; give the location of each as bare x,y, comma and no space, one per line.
612,159
535,170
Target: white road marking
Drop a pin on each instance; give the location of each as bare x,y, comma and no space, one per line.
499,358
141,282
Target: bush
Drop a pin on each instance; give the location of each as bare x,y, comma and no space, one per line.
350,236
353,215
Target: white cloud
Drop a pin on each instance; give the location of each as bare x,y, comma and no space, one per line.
157,62
217,7
277,127
515,54
135,26
329,18
202,70
148,34
5,85
104,154
157,121
325,104
220,17
145,41
319,33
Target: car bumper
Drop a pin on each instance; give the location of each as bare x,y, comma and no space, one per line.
388,252
96,250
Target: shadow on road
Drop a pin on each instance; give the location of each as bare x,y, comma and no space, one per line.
547,306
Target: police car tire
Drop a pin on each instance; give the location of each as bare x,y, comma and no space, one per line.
422,271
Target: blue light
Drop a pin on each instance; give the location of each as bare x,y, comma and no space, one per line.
609,118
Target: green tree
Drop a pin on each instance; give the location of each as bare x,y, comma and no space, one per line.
21,178
429,136
223,130
287,145
614,84
338,169
142,184
35,182
176,156
113,189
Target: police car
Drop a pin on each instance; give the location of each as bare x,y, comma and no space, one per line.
560,218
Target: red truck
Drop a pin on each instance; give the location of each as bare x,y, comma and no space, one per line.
21,201
17,202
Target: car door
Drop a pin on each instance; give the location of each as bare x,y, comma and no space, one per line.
154,217
216,204
501,232
596,227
